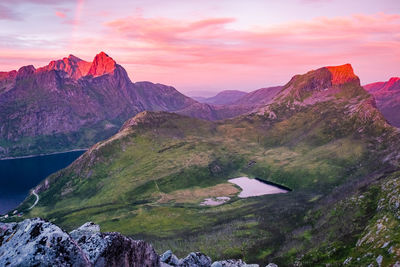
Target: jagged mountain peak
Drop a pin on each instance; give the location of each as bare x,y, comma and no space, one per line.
72,65
77,68
102,64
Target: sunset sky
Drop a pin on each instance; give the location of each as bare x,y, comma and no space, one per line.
207,45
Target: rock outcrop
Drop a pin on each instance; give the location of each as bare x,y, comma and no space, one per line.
197,259
113,249
35,242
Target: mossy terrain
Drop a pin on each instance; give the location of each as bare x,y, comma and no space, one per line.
149,179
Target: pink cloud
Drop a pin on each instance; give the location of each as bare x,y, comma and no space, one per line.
366,41
210,40
60,14
212,53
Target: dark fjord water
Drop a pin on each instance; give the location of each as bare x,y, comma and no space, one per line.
18,176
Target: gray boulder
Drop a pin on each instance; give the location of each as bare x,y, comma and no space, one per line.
169,258
35,242
232,263
195,259
113,249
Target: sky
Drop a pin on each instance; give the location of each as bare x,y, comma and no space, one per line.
201,47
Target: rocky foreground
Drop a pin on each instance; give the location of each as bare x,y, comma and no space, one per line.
36,242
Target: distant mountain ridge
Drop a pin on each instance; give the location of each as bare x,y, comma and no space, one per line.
225,97
387,95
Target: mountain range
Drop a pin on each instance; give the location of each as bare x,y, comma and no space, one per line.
72,103
321,135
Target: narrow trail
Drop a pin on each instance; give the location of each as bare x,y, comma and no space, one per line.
37,200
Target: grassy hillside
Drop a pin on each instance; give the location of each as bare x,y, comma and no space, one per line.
149,179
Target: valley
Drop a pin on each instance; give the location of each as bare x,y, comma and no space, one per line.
199,133
148,181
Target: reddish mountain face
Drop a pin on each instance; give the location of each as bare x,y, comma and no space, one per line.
101,65
387,96
73,66
321,84
342,74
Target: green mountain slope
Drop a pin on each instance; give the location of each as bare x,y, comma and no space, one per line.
322,136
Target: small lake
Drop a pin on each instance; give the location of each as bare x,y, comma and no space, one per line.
18,176
253,187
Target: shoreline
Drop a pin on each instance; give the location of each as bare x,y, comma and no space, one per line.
46,154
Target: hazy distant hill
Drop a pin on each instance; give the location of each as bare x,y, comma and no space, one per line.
222,98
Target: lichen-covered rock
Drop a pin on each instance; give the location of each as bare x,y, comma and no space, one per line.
113,249
195,259
169,258
35,242
232,263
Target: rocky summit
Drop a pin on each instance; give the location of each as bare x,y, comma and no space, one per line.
36,242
